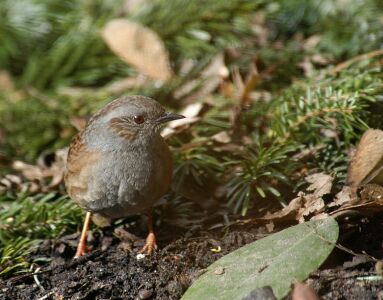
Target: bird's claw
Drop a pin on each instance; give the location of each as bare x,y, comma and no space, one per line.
150,244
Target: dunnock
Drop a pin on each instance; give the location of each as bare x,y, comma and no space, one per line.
119,164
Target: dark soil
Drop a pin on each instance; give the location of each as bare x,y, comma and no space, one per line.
112,270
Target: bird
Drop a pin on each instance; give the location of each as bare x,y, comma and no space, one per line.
119,165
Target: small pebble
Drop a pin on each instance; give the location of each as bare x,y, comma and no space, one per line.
144,294
140,256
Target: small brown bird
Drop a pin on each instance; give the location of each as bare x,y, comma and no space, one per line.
119,164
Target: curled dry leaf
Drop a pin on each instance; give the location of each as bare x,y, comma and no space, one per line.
139,46
369,201
46,176
306,205
222,137
367,164
343,197
209,79
288,213
9,182
321,183
311,42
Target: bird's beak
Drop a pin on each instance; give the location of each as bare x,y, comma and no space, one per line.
169,116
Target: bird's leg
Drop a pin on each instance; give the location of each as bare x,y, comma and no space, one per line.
81,247
150,243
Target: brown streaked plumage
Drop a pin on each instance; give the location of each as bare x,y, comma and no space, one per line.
119,164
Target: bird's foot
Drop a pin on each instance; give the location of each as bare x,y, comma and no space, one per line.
150,244
81,250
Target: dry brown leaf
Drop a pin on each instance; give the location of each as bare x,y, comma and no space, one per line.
321,183
45,176
367,164
310,43
313,205
307,67
369,202
288,213
9,182
303,291
210,78
343,197
6,83
301,208
139,46
221,137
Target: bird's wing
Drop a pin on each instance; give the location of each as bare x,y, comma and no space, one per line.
80,164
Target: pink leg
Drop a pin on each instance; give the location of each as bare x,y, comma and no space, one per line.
150,243
81,248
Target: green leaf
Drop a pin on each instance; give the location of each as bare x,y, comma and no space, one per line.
277,260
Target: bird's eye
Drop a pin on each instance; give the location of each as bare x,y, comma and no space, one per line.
139,119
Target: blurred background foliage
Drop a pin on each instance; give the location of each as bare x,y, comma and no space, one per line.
279,90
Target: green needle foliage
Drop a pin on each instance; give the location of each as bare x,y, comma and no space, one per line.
193,29
258,172
27,220
347,28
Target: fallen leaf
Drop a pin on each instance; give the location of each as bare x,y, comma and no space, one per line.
139,46
209,79
370,201
276,260
288,213
307,67
343,197
47,176
356,260
321,183
304,206
310,43
6,83
9,182
313,205
367,164
221,137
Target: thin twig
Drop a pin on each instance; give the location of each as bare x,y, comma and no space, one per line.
38,283
347,63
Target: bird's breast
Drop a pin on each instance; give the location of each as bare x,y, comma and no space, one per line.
129,182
